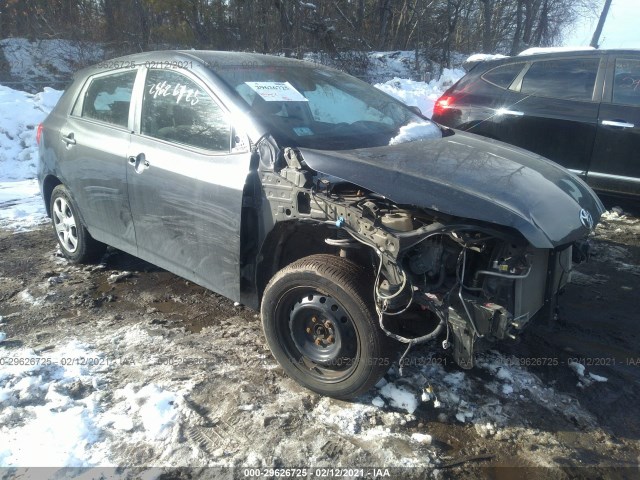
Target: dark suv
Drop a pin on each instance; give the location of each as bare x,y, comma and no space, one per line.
580,109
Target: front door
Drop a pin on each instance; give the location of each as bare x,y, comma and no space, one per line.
615,166
185,183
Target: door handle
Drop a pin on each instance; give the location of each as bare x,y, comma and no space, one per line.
139,162
504,111
615,123
69,139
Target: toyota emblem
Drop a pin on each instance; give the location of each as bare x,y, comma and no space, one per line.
586,219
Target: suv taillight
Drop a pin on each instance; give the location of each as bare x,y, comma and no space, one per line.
39,134
444,102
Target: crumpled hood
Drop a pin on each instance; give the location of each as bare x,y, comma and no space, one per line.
469,176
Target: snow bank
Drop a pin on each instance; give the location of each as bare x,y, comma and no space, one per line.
21,206
20,114
421,94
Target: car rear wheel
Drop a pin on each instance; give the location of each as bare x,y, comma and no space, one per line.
76,243
321,327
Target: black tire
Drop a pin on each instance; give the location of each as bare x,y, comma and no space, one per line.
325,299
75,242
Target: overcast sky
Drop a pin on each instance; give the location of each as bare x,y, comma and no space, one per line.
621,30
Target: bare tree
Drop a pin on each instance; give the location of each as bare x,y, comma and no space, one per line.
603,17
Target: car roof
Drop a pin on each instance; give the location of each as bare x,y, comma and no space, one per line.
578,52
209,58
551,55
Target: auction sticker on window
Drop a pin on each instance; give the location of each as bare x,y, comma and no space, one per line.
277,91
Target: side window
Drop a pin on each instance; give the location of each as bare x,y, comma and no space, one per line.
626,82
503,75
571,79
177,110
108,98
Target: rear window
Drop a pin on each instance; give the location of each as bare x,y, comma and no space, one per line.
503,75
108,98
626,83
570,79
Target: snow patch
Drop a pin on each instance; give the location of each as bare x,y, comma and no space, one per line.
484,57
422,438
150,407
21,205
399,397
598,378
415,131
59,405
539,50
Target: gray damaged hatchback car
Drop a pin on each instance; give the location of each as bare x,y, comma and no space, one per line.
357,226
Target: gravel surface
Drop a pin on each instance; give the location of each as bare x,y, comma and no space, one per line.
152,370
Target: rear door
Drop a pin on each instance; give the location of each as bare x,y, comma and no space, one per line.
186,181
615,166
552,110
96,138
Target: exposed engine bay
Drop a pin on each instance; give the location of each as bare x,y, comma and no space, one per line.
472,282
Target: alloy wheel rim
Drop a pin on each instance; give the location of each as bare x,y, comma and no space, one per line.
65,225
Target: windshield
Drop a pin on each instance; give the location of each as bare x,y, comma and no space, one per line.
324,109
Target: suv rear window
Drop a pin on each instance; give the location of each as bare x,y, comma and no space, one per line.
570,79
108,98
626,83
503,75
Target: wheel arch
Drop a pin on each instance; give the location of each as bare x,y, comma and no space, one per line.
287,242
50,182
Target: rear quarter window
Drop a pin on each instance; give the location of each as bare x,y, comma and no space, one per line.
503,75
569,79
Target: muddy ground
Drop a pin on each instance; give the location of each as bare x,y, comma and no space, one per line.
522,411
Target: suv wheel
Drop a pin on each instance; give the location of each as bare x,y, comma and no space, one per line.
74,239
321,327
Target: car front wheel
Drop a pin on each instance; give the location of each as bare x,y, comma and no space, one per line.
76,243
320,325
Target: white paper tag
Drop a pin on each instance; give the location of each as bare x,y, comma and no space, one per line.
277,91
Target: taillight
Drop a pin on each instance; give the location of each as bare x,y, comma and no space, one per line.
442,104
39,134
